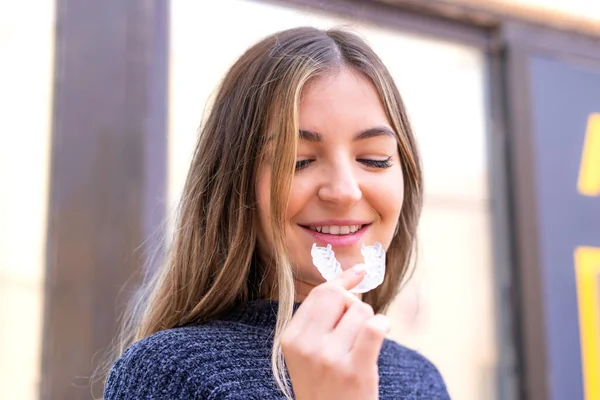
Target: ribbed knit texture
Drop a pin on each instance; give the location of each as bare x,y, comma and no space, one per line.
230,359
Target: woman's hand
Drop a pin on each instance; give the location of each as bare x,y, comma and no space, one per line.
333,341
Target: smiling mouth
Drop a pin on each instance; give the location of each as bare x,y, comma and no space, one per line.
336,230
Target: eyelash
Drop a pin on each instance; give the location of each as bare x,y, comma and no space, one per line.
377,163
302,164
368,162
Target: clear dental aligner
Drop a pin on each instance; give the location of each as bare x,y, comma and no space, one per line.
374,259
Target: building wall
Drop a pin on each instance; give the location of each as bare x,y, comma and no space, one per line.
446,309
444,86
573,15
585,10
26,50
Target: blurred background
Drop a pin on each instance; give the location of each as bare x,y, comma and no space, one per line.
99,108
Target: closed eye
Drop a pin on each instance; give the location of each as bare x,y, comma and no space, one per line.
302,164
376,163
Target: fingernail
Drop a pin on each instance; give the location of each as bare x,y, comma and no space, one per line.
382,323
359,269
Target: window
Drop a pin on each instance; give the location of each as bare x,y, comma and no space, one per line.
446,310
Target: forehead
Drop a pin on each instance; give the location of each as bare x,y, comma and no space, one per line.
343,99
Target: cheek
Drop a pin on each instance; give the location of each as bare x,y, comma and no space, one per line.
300,208
301,191
386,197
397,196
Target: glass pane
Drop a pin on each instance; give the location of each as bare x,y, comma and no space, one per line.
446,310
27,33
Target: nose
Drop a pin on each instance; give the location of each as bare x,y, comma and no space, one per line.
340,186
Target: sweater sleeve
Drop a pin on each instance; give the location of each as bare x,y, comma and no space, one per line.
148,372
432,384
407,374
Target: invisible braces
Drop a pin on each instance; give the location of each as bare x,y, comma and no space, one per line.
374,256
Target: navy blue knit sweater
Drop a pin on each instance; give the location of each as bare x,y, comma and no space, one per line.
230,359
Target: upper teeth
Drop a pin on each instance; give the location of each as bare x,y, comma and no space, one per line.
337,230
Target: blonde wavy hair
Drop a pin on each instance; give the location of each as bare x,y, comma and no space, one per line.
212,264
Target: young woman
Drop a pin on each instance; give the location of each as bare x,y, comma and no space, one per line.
307,142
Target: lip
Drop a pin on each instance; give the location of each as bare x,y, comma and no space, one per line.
323,239
337,222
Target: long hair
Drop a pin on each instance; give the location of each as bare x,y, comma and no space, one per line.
212,265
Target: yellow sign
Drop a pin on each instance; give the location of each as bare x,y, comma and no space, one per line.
587,271
589,172
587,267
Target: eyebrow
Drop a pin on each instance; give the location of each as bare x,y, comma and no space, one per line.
316,137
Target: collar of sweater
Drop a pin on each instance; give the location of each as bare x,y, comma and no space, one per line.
259,313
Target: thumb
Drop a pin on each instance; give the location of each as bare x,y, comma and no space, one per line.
351,277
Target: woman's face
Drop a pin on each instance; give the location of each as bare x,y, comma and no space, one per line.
348,187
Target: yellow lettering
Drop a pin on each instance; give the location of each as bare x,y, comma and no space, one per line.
589,171
587,271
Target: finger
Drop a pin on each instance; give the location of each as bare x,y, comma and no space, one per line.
350,278
300,318
370,339
331,302
345,333
332,299
322,309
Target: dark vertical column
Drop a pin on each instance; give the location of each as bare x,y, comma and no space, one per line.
508,374
530,306
108,173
